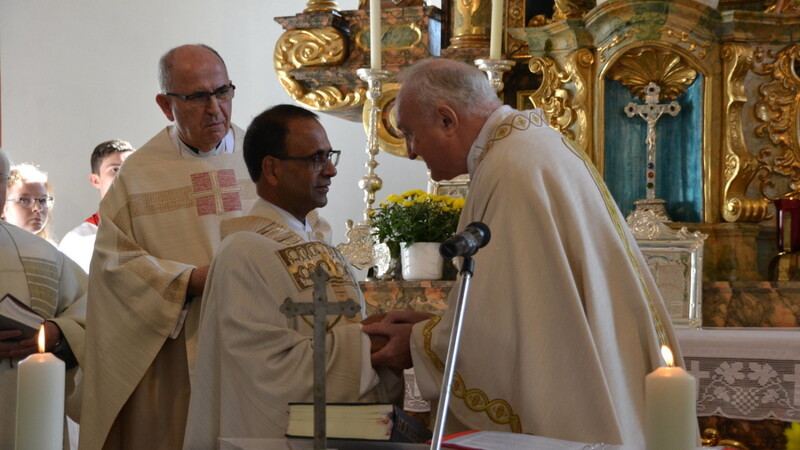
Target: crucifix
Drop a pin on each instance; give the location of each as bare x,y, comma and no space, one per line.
320,308
651,111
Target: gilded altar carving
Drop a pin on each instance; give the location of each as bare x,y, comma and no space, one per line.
640,66
571,9
776,112
564,107
700,47
321,5
314,47
739,165
470,23
615,41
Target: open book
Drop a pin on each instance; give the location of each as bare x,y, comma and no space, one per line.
371,421
15,315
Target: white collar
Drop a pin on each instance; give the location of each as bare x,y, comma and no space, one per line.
225,146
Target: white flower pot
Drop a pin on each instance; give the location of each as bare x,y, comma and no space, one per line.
421,261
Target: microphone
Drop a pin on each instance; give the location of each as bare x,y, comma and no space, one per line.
466,243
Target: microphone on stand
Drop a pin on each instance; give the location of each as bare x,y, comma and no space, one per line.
475,236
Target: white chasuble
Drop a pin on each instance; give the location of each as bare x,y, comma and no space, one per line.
159,220
563,320
252,359
37,274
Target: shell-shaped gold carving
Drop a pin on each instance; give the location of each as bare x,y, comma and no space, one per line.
551,96
325,46
777,111
638,67
739,165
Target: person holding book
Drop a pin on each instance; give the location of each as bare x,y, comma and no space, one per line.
563,320
106,160
252,360
29,200
41,278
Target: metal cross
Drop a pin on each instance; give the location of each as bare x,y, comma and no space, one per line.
651,111
319,308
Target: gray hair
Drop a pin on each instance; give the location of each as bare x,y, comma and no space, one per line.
461,86
165,64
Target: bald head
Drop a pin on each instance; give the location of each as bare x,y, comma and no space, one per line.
185,54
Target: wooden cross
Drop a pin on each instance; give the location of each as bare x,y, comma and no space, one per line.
651,111
319,308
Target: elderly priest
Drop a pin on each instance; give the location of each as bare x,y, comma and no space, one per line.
251,359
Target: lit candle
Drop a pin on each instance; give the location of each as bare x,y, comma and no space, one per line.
496,36
40,400
375,34
670,404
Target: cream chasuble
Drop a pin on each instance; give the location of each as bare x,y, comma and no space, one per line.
563,320
37,274
159,220
252,360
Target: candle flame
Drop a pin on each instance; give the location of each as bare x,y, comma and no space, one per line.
41,338
667,354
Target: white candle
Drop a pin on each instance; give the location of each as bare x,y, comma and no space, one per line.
40,400
670,404
375,34
496,32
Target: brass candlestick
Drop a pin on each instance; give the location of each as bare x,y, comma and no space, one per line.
495,68
360,246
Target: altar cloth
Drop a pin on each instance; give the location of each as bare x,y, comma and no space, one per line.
745,373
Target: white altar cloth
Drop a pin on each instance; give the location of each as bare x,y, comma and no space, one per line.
745,373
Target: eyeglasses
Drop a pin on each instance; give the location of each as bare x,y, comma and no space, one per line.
200,99
318,160
28,202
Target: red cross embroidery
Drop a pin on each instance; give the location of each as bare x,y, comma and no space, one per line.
216,192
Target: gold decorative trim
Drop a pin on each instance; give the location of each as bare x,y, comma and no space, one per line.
552,97
321,5
314,47
571,9
615,41
777,112
579,65
683,36
739,166
498,410
639,67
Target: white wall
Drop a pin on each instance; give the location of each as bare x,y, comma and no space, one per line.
79,72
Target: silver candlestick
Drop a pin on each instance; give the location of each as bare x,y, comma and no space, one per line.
359,248
495,68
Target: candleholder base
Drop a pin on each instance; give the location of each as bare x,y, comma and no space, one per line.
495,68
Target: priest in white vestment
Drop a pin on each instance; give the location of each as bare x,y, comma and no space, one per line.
41,277
563,320
159,230
252,360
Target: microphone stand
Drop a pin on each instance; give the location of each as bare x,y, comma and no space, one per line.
467,269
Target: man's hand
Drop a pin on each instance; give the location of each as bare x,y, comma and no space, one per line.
21,349
396,327
197,281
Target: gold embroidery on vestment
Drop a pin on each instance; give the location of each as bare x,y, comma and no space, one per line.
498,410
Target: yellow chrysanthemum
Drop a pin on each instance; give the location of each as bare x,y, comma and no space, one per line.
792,434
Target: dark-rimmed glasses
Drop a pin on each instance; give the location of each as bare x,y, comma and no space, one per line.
318,160
28,202
200,99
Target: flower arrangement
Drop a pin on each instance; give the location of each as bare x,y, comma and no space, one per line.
415,216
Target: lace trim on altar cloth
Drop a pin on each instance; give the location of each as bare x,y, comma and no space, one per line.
751,389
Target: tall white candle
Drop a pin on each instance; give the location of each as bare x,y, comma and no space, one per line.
670,404
375,34
496,31
40,400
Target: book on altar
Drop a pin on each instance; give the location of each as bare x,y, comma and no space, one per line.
369,421
498,440
15,315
